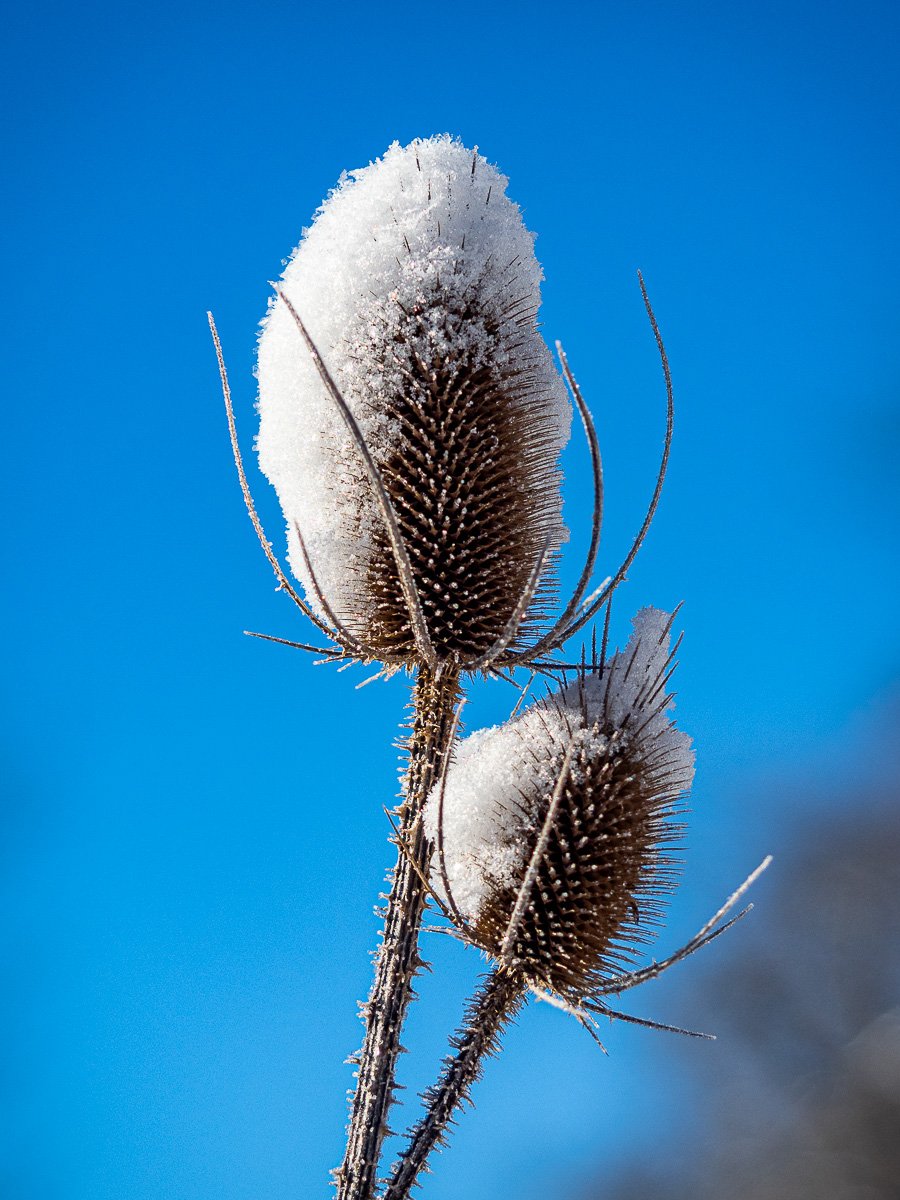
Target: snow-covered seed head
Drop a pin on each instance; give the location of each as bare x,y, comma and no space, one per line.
555,831
418,284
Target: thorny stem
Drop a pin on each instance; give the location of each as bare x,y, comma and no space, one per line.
434,701
495,1003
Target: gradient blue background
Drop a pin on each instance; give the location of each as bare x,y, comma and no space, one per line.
193,825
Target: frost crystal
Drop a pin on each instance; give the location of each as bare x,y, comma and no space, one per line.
629,766
419,286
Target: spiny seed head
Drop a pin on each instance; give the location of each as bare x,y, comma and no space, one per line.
557,827
418,284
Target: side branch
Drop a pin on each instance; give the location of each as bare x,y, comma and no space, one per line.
499,998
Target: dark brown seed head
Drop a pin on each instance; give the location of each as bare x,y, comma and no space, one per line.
419,286
558,827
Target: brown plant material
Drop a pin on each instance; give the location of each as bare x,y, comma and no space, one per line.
472,479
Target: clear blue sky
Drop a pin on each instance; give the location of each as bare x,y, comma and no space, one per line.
194,834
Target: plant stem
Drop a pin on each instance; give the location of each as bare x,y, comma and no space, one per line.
494,1004
433,701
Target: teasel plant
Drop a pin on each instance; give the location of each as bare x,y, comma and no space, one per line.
411,422
554,837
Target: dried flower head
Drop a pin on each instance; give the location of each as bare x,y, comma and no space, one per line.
554,831
418,290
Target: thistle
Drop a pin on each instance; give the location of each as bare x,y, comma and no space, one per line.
554,831
418,287
411,420
413,441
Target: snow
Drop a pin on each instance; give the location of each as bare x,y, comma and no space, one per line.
431,213
501,776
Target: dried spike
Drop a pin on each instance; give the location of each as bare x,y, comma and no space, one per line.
620,574
523,694
552,638
398,546
404,846
334,655
615,1015
710,931
342,633
604,645
568,872
580,1014
283,580
382,674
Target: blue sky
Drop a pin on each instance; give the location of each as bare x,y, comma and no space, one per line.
194,827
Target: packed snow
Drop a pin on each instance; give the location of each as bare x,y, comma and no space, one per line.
501,777
430,213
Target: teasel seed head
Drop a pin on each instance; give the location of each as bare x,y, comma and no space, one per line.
555,831
418,286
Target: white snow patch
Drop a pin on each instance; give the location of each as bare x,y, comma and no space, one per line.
500,776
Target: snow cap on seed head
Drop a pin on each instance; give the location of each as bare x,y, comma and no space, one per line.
605,757
418,284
